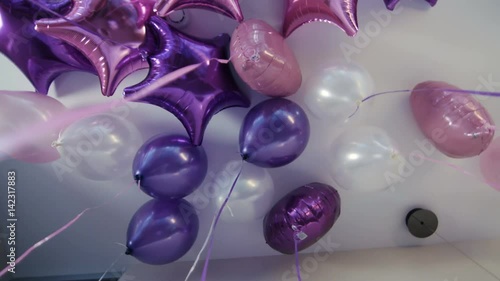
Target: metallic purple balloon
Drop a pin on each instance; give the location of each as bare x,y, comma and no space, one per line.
229,8
32,11
41,58
391,4
342,13
305,215
161,232
457,124
108,34
274,133
197,96
262,58
169,167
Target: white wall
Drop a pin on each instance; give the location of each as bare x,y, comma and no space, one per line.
430,263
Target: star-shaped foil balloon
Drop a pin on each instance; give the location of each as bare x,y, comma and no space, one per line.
391,4
197,96
41,58
229,8
111,34
342,13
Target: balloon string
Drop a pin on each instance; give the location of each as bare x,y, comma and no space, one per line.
59,231
457,91
217,217
456,248
193,267
457,168
297,261
111,266
53,13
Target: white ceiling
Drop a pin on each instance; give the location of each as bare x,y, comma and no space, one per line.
457,41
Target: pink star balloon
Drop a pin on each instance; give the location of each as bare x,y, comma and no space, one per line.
391,4
342,13
111,34
229,8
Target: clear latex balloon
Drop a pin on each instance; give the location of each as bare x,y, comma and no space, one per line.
252,196
363,158
20,111
334,92
100,147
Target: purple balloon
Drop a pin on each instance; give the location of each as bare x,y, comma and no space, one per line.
41,58
391,4
197,96
304,215
26,8
274,133
170,167
161,232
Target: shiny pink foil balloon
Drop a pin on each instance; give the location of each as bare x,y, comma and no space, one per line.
489,162
457,124
304,215
20,110
229,8
263,60
108,33
342,13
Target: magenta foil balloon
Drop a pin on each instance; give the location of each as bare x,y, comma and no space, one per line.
161,232
274,133
41,58
263,60
304,215
342,13
391,4
229,8
195,97
457,124
108,33
169,167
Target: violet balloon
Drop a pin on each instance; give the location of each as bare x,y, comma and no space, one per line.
391,4
304,216
20,110
108,33
170,167
342,13
457,124
41,58
274,133
195,97
28,9
263,60
161,232
229,8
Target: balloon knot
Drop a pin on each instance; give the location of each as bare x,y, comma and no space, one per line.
137,178
128,252
56,144
245,156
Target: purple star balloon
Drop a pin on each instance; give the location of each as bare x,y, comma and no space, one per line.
197,96
230,8
391,4
342,13
41,58
108,33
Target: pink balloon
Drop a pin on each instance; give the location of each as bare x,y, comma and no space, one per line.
457,124
18,111
263,60
489,162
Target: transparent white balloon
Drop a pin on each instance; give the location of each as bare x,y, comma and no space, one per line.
100,147
334,93
364,159
252,196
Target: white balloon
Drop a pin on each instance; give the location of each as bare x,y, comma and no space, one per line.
252,196
364,159
100,147
334,93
